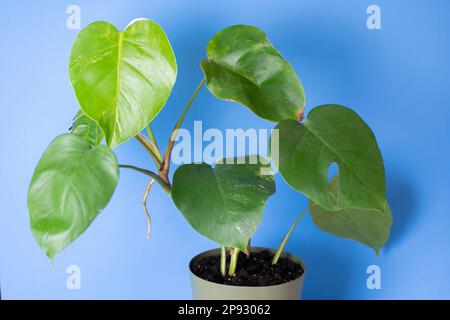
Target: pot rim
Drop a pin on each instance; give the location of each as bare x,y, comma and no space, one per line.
284,254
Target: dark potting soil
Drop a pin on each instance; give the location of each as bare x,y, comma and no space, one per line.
253,271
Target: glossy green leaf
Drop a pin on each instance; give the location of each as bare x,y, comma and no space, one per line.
88,129
224,203
332,134
243,66
71,184
122,79
370,227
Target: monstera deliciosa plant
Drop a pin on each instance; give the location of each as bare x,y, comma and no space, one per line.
122,79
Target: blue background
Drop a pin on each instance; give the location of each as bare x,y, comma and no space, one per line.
396,78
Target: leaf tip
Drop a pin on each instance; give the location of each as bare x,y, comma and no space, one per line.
300,114
377,252
243,246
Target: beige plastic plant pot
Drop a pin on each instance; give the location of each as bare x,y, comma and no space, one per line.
207,290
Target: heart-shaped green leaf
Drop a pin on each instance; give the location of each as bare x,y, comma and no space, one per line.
370,227
71,184
122,79
224,203
88,129
244,67
332,134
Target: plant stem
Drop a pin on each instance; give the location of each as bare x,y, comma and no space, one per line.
286,237
233,261
155,144
144,204
150,149
166,163
223,261
166,186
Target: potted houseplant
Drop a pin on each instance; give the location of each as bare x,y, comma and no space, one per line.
123,79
